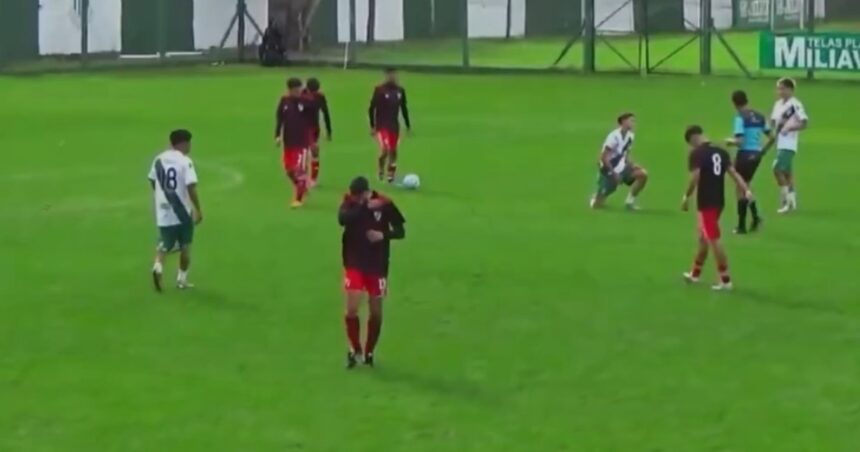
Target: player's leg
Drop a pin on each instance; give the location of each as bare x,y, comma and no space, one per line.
722,259
315,164
699,260
186,237
168,236
354,289
382,160
742,165
637,179
379,288
751,203
392,164
293,161
605,187
782,171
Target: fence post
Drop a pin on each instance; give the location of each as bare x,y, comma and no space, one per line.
810,29
352,33
464,21
705,46
161,29
240,30
85,31
508,19
588,33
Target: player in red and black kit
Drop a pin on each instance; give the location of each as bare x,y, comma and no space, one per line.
386,105
315,103
370,221
291,132
708,167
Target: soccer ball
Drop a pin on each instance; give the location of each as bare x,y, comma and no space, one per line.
411,182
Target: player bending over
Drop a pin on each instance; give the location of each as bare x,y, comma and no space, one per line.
708,167
386,105
749,127
370,221
315,103
177,206
616,167
291,132
788,118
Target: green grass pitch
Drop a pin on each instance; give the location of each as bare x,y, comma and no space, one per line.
519,320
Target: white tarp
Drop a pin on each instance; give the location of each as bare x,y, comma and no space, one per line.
60,26
489,18
212,17
389,20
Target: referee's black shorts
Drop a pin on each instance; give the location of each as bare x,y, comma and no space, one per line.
746,164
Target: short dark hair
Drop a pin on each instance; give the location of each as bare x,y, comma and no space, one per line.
786,82
625,117
692,131
359,185
294,83
179,136
739,98
313,84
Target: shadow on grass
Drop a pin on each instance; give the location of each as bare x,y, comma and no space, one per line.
794,304
447,387
218,300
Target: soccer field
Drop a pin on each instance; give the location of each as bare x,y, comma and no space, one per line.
519,320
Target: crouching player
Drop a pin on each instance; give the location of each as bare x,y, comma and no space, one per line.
617,168
370,221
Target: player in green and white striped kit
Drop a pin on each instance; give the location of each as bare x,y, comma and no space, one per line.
788,119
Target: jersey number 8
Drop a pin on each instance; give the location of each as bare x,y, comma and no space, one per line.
170,179
718,164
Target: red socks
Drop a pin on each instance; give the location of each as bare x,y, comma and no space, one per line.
374,329
724,273
315,169
392,171
698,264
353,333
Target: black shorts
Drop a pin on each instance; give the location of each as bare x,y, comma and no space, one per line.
746,164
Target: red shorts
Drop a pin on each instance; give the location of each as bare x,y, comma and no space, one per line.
314,136
356,280
388,139
709,223
293,159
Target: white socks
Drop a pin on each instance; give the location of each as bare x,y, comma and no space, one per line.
157,268
630,199
182,276
784,194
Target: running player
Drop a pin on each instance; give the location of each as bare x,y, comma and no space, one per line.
370,221
788,119
708,167
291,133
616,167
177,206
315,103
386,105
749,127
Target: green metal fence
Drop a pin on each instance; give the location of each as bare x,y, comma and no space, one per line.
50,35
592,36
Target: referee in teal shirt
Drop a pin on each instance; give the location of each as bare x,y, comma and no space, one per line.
750,127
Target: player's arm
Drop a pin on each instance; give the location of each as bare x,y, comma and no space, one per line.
191,185
326,115
279,122
397,224
693,182
195,200
349,212
606,161
404,108
371,111
739,181
737,132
